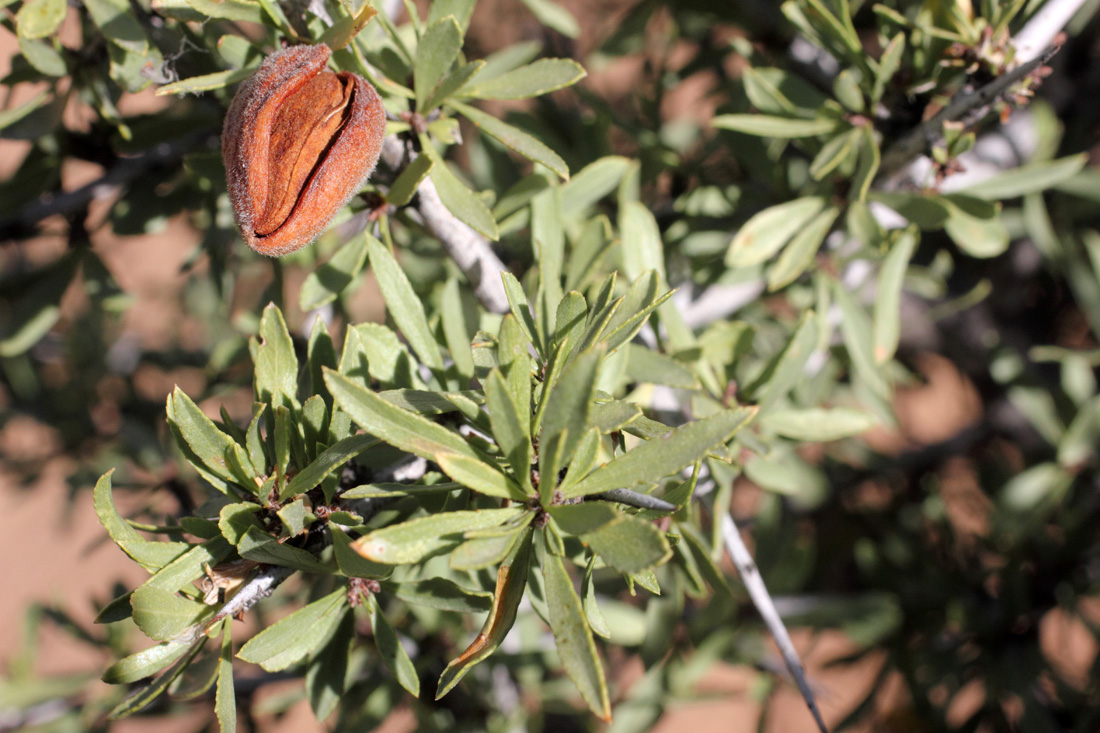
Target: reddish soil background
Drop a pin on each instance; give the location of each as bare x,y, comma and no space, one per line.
73,563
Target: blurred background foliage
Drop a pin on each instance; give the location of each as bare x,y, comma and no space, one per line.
880,223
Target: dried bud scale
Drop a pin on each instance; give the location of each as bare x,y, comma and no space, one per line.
298,142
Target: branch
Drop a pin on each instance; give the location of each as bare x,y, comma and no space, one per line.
1044,26
758,592
116,179
632,498
470,251
976,103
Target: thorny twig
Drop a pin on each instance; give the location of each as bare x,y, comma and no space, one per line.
758,592
632,498
470,251
974,104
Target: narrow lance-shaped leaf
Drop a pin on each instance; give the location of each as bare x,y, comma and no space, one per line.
333,457
225,698
532,80
663,456
412,541
459,200
439,45
573,637
766,232
782,127
156,688
393,655
523,143
330,279
150,555
293,638
887,309
511,582
276,363
403,304
399,428
262,547
566,416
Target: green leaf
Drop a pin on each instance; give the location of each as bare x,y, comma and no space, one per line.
452,83
144,664
565,419
977,235
160,683
769,126
1027,179
855,327
328,281
887,309
1079,443
163,615
629,545
847,91
327,676
833,153
554,16
517,302
767,231
204,444
40,18
43,57
400,428
573,637
238,10
592,611
443,594
293,638
778,92
350,562
818,424
870,157
333,458
642,250
391,652
150,555
888,65
406,185
523,143
485,552
788,368
511,431
427,402
412,541
532,80
592,183
455,331
117,22
225,698
653,367
206,82
663,456
235,519
581,519
511,582
438,47
261,547
187,567
799,254
276,364
403,304
480,476
460,200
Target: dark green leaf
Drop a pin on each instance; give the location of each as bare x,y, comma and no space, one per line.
293,638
